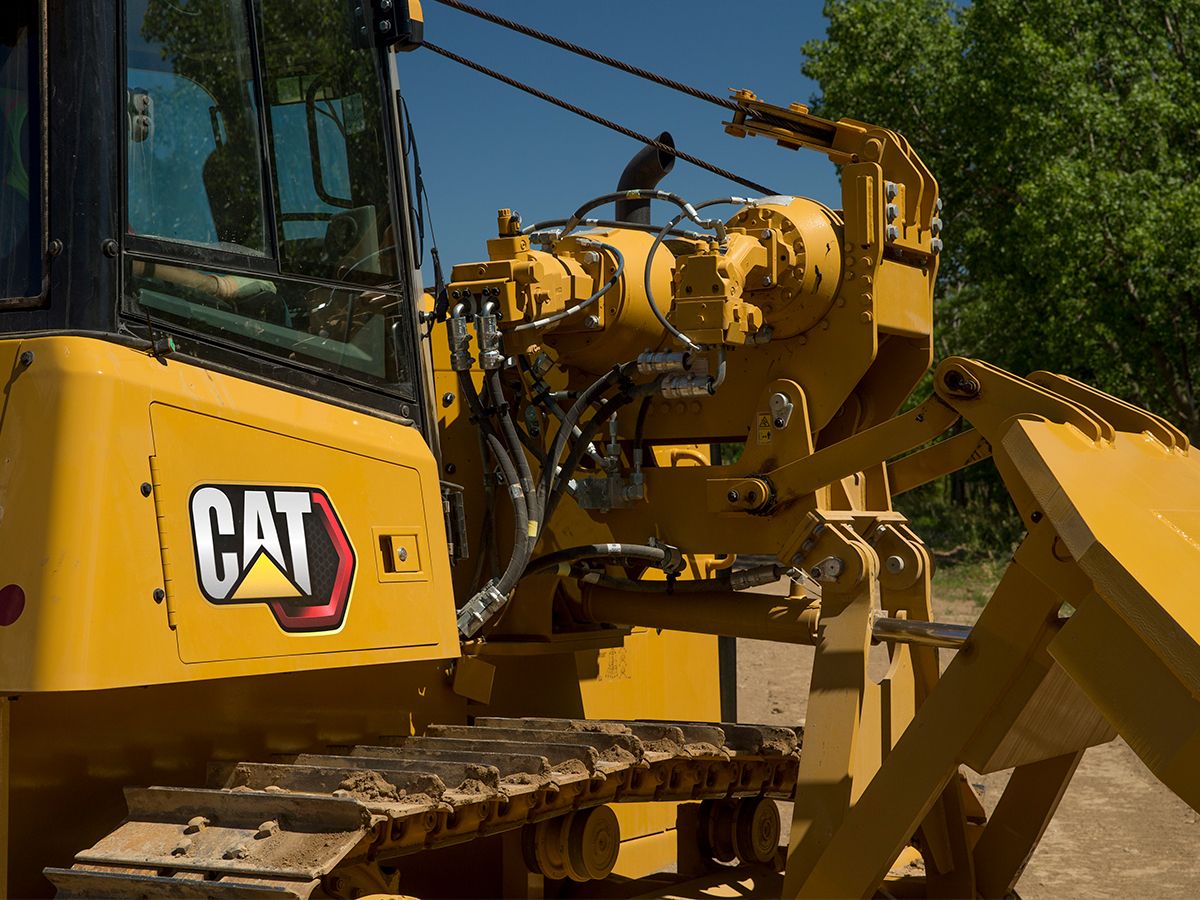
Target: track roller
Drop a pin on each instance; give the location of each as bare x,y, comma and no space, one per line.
581,846
746,829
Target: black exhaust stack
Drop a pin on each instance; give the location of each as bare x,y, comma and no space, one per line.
647,168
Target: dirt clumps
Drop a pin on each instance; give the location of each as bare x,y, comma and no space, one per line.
615,754
369,785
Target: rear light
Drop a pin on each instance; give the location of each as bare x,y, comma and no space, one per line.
12,603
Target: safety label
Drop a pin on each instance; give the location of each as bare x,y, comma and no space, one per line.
764,427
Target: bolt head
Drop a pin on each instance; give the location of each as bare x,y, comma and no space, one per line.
767,281
146,489
592,322
732,496
447,398
778,423
893,233
26,358
402,554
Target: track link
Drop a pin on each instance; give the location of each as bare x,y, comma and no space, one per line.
276,830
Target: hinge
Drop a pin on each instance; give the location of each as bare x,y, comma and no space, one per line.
156,483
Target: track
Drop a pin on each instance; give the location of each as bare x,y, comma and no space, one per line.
280,830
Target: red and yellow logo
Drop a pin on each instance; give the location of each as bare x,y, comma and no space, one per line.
282,546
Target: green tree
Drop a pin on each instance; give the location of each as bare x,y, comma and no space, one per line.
1065,136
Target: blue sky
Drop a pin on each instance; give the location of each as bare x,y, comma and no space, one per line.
485,145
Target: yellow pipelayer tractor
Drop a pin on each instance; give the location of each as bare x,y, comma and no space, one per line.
332,588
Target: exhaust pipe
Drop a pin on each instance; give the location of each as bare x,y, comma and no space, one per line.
647,168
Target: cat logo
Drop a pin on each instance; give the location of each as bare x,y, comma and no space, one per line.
282,546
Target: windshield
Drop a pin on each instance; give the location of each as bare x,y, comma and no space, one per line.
20,152
265,170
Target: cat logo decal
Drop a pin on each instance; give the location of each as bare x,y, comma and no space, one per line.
281,546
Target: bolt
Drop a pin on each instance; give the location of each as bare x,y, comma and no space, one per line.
26,358
385,26
938,204
894,564
1035,516
237,852
779,423
893,212
109,247
447,398
935,245
732,496
893,233
892,190
935,226
159,595
267,829
828,569
54,248
450,468
146,489
767,281
196,823
402,554
592,322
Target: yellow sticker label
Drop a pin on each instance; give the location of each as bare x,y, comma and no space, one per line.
763,422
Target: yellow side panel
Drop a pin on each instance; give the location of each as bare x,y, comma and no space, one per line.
98,440
193,449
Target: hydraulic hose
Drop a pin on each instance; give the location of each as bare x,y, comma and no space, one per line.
687,210
583,304
729,582
598,387
482,607
518,560
514,441
560,560
553,226
579,448
658,239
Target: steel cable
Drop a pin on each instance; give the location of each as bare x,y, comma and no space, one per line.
597,119
609,61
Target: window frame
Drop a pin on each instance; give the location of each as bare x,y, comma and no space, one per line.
404,397
41,300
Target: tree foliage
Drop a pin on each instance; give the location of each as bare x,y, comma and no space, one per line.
1065,136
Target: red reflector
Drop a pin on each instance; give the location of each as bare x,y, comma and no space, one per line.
12,603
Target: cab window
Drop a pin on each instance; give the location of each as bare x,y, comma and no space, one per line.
20,153
259,203
194,148
328,148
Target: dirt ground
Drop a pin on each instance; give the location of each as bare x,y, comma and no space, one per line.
1117,833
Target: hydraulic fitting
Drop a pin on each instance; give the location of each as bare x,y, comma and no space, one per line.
650,363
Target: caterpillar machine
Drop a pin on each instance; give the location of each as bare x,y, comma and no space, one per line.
313,584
